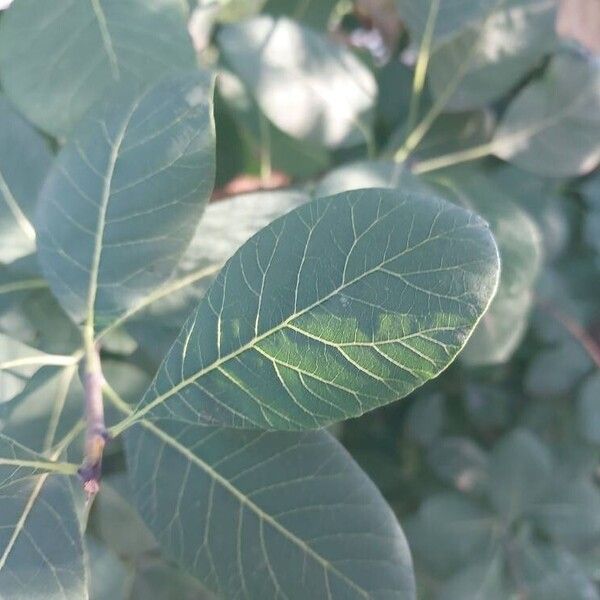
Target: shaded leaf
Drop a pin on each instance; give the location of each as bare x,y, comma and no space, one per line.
588,409
449,532
501,328
59,58
370,174
482,580
309,87
343,305
214,241
520,471
41,551
123,198
267,514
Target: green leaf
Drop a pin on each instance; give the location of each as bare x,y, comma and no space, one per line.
570,513
519,243
425,419
41,551
588,409
460,462
46,409
24,160
267,514
555,371
498,51
449,531
343,305
452,17
15,366
123,198
552,126
59,58
297,158
213,243
520,472
370,174
315,13
482,580
308,86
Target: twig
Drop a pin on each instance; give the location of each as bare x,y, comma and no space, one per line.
454,158
96,434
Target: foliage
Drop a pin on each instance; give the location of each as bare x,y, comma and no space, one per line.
380,381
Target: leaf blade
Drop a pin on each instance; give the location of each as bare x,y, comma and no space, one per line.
281,313
222,467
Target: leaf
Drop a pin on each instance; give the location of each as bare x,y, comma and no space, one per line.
449,532
343,305
123,198
425,419
555,371
24,160
41,551
315,13
370,174
460,462
49,405
453,16
570,513
306,85
588,409
552,126
59,58
482,580
297,158
519,243
520,471
495,52
15,366
267,514
214,241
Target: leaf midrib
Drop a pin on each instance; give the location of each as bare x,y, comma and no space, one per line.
256,339
101,224
246,501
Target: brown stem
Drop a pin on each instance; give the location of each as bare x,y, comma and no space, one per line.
96,434
576,330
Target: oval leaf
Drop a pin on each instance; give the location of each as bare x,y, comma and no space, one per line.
552,126
266,515
59,58
123,198
343,305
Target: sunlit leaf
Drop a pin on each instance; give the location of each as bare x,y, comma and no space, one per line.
24,161
124,196
498,50
267,514
552,126
308,86
343,305
59,58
